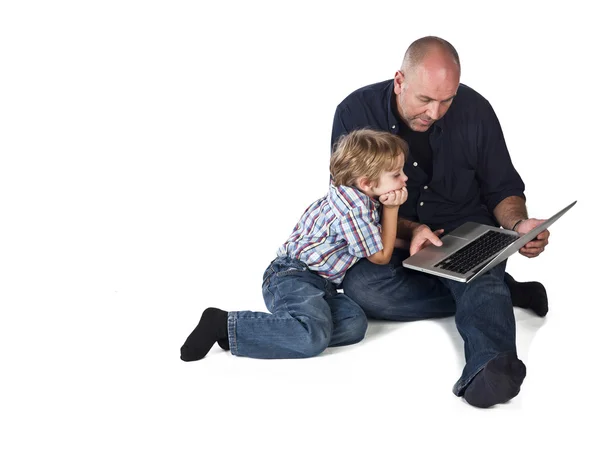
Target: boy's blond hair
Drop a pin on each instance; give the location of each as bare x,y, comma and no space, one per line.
365,153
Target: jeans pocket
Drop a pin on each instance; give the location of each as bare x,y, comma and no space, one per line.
268,273
290,271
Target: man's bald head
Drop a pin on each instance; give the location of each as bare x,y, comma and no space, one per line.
428,51
427,83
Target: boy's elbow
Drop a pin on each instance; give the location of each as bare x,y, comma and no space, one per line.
379,258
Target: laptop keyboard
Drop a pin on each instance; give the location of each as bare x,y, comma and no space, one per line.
476,252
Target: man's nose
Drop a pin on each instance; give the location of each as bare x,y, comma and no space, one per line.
434,110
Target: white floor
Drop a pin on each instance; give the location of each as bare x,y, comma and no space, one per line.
156,154
107,374
394,389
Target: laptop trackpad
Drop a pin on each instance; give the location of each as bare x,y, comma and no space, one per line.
431,254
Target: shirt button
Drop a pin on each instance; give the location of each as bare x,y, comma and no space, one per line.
415,164
421,203
393,126
426,187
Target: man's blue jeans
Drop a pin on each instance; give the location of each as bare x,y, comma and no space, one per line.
483,309
307,316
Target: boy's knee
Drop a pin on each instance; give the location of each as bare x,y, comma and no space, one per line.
317,340
313,347
350,330
357,326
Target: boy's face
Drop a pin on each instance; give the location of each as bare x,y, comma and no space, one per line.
391,181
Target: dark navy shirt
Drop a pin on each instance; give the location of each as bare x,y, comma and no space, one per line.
472,170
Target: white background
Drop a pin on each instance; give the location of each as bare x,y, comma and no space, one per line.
155,154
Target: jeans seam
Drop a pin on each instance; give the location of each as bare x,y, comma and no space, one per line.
285,303
460,387
231,329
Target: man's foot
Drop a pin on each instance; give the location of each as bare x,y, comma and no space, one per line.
498,382
223,343
211,328
529,295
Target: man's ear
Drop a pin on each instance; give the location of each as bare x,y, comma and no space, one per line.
398,80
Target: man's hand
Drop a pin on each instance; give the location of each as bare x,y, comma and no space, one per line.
422,237
535,247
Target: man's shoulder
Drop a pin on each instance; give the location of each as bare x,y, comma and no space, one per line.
367,94
467,96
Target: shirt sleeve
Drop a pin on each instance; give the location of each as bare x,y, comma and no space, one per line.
361,229
498,178
339,127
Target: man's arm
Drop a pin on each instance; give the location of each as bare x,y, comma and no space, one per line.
511,213
499,181
501,186
339,127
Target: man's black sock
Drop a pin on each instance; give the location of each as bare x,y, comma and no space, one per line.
529,295
223,343
498,382
211,328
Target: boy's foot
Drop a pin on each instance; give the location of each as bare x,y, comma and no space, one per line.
498,382
529,295
211,328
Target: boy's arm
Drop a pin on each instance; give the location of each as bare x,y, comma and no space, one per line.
389,224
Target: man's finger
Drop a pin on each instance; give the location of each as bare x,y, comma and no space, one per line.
432,237
535,244
544,235
415,247
531,253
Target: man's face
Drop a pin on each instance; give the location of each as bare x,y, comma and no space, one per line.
425,94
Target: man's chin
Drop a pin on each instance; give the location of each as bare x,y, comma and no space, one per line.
417,125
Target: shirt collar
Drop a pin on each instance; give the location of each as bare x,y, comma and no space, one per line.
393,123
352,192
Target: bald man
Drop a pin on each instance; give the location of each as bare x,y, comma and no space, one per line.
459,170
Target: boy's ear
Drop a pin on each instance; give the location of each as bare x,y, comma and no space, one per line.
363,183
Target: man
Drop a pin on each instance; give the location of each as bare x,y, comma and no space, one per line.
458,170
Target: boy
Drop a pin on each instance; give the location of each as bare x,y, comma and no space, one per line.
300,285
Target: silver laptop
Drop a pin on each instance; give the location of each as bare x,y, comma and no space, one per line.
473,249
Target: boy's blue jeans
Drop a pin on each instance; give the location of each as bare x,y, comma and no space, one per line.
483,308
307,316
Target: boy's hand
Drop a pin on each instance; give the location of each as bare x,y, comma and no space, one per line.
394,198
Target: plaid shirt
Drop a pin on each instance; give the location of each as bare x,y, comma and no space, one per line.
334,232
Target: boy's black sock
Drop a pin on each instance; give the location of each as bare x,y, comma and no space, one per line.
211,328
498,382
529,295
